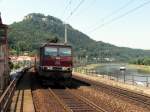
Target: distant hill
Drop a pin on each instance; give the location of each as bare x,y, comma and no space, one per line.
36,28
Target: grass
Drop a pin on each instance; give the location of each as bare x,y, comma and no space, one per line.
142,68
92,66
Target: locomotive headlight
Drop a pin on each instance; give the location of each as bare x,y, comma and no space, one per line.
41,67
49,68
64,68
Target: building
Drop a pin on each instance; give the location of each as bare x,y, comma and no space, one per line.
4,67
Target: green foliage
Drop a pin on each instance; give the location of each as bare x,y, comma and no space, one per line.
12,52
141,61
11,65
16,66
36,29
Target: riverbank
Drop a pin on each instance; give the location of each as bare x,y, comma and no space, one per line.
92,66
140,68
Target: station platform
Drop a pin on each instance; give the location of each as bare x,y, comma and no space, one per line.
134,88
22,100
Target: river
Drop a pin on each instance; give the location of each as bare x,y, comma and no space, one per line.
130,74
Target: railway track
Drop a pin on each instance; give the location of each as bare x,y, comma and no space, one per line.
60,99
71,99
73,102
116,91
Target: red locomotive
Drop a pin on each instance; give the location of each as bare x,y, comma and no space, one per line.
54,61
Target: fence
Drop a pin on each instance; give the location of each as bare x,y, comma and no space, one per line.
119,76
6,97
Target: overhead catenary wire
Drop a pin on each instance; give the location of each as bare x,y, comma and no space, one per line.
72,12
120,16
65,32
66,8
114,12
89,6
75,9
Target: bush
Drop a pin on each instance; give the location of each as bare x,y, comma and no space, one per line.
16,66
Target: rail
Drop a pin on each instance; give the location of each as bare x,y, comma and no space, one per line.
74,102
88,102
138,98
6,97
67,109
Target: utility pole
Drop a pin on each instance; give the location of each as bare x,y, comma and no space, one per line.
65,33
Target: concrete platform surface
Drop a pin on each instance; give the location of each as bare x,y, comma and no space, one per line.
22,100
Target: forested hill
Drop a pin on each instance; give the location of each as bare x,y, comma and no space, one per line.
36,28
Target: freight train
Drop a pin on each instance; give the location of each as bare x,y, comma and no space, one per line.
54,61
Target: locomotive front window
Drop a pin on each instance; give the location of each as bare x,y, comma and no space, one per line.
50,51
64,52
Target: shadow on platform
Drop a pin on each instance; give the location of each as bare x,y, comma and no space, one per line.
38,83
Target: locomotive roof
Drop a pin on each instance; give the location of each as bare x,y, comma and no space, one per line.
55,44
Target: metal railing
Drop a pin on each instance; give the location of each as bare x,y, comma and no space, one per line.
6,98
118,76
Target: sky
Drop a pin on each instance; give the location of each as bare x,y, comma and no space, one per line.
120,22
